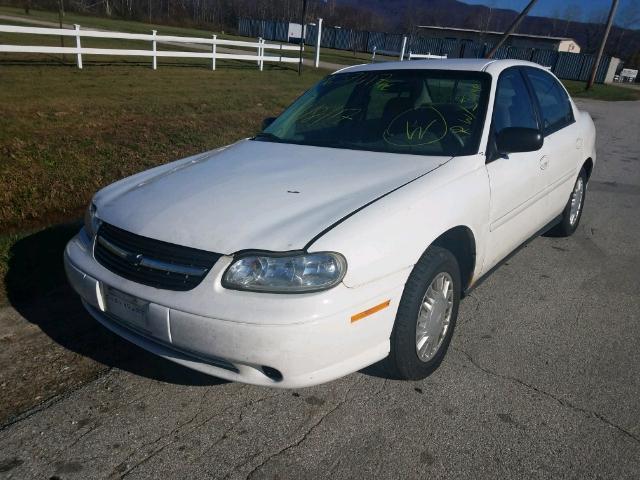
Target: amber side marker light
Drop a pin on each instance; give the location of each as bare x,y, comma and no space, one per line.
370,311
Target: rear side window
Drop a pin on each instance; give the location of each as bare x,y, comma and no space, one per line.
554,103
513,104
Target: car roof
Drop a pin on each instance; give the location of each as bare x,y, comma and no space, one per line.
461,64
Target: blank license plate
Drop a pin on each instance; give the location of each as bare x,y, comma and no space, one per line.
126,308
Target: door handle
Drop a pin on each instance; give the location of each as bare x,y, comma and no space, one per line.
544,163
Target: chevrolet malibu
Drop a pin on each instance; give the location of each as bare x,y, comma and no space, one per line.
346,231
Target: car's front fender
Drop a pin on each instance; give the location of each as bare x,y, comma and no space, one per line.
391,234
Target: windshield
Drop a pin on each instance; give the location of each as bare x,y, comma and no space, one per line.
422,112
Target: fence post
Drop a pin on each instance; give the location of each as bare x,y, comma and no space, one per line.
259,41
262,54
78,46
404,46
153,42
213,53
317,64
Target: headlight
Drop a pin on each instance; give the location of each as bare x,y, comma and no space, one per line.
288,273
91,221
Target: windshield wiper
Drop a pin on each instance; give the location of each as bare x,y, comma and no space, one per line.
270,137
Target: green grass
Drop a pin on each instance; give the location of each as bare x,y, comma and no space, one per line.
65,133
601,91
105,23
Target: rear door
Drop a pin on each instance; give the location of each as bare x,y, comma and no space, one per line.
562,146
516,181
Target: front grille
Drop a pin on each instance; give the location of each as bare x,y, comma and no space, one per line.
151,262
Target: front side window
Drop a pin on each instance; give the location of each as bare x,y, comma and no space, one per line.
553,100
421,112
513,106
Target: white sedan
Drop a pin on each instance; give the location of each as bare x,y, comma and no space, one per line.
346,231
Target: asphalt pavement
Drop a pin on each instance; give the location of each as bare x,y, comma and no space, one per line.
541,381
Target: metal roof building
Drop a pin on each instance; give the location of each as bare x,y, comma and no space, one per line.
560,44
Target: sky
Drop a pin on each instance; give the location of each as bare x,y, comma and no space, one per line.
548,8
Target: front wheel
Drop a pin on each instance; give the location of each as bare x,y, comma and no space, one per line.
573,209
426,315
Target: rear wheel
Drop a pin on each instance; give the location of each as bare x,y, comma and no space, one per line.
573,209
426,315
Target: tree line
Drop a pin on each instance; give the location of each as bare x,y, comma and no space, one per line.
215,14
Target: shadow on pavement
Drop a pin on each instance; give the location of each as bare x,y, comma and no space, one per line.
37,288
380,369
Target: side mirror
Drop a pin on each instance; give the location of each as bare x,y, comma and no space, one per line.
519,139
267,121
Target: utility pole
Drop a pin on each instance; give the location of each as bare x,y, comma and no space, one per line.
594,69
304,14
512,28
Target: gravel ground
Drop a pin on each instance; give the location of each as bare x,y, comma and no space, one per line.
541,380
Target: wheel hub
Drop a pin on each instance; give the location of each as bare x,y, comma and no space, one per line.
576,201
434,316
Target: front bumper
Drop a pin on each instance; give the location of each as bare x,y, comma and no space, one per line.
285,341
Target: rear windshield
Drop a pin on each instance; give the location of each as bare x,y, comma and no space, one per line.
422,112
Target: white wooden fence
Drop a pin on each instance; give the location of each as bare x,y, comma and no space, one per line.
427,56
402,55
210,44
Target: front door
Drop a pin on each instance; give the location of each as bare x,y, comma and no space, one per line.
516,180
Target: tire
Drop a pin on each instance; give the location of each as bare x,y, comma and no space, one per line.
404,360
570,219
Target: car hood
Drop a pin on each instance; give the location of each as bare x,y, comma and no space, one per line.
254,194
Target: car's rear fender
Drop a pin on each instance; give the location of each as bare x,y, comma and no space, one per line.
588,135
